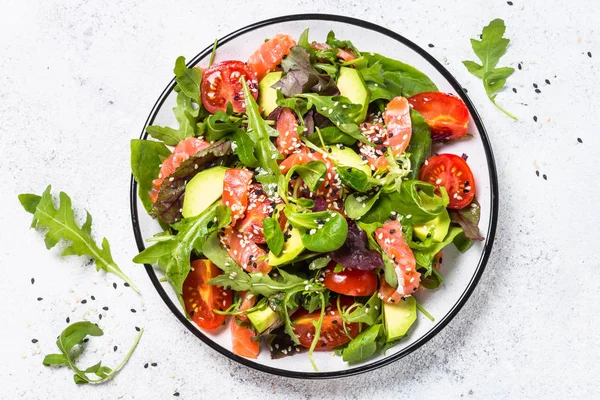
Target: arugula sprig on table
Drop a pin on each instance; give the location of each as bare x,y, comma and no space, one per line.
72,336
489,49
61,225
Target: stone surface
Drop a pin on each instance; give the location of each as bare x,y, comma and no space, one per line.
77,79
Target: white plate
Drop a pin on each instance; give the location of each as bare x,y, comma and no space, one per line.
461,271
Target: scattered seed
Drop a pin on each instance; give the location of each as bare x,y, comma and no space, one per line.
105,308
538,91
115,348
154,364
114,285
83,301
126,284
545,177
520,66
137,328
133,310
515,90
547,81
579,140
99,316
68,320
431,45
176,394
86,340
34,340
537,173
465,89
32,281
510,3
92,297
535,85
146,365
589,54
40,298
535,118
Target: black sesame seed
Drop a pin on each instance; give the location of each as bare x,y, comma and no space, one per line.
126,284
537,173
392,231
40,298
520,66
538,91
34,340
176,394
535,118
137,328
392,301
334,322
99,316
545,177
114,285
431,45
192,313
32,281
465,90
92,297
515,90
86,340
146,365
115,348
589,53
535,85
154,364
68,320
83,301
133,310
547,81
579,140
510,3
105,308
323,344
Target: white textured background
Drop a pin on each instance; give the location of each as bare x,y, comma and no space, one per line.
77,80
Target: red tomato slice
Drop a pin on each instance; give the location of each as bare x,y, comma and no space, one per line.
287,126
269,55
201,299
397,133
392,242
350,282
221,83
184,150
453,173
446,115
259,208
244,252
235,191
332,330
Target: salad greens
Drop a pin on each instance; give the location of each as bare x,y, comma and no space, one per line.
332,194
489,49
72,336
60,224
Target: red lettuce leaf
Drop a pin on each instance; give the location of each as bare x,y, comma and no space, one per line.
354,252
468,219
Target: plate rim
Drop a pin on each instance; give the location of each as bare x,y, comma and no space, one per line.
489,237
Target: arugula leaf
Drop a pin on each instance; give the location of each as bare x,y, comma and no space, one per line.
146,157
312,173
172,254
273,235
364,345
61,225
399,79
186,116
337,109
171,193
341,44
260,132
322,231
419,147
74,335
489,49
221,124
468,219
301,77
188,79
367,313
243,147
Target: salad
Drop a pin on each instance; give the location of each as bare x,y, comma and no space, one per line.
301,204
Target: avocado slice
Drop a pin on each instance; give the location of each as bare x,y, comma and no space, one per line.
267,96
202,190
399,317
352,86
291,248
262,318
347,157
439,224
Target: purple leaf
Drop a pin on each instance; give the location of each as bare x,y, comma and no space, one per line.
354,252
468,219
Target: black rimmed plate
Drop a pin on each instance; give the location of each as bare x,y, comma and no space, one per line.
461,271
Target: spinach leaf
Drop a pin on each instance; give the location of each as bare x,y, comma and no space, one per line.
173,253
61,225
424,256
312,173
188,79
322,231
260,132
146,157
359,204
489,49
337,109
419,147
399,79
301,77
383,209
73,335
273,235
356,179
468,219
462,243
332,135
170,196
319,263
365,345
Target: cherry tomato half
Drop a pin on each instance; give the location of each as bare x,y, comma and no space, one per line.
201,299
453,173
350,282
221,83
446,115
